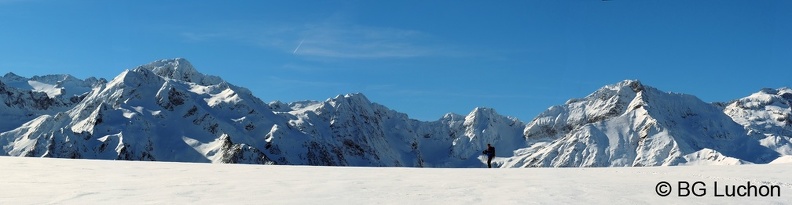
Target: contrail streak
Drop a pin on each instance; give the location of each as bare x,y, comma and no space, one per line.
298,47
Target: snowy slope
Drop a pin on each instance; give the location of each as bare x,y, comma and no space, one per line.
168,111
52,181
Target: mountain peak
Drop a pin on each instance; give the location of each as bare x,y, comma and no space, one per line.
621,92
780,98
180,69
478,111
177,68
452,116
355,95
634,85
779,91
11,75
482,116
769,91
352,97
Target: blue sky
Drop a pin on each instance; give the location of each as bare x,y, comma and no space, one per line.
423,58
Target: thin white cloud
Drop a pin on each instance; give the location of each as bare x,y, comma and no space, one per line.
329,40
363,42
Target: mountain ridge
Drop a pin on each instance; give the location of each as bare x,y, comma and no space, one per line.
168,111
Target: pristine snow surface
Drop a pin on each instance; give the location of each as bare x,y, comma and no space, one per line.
29,180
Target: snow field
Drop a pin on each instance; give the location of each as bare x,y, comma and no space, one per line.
64,181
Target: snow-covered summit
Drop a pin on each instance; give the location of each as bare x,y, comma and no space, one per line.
766,97
180,69
351,98
604,103
634,85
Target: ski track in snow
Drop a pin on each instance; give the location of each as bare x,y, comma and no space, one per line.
64,181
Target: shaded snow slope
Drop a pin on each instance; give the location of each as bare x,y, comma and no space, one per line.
52,181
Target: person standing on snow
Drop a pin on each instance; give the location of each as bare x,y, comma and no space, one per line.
490,152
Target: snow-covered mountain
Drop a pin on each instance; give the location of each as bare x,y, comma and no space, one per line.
168,111
629,124
160,111
350,130
767,117
24,99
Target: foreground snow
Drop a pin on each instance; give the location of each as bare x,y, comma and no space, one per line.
62,181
